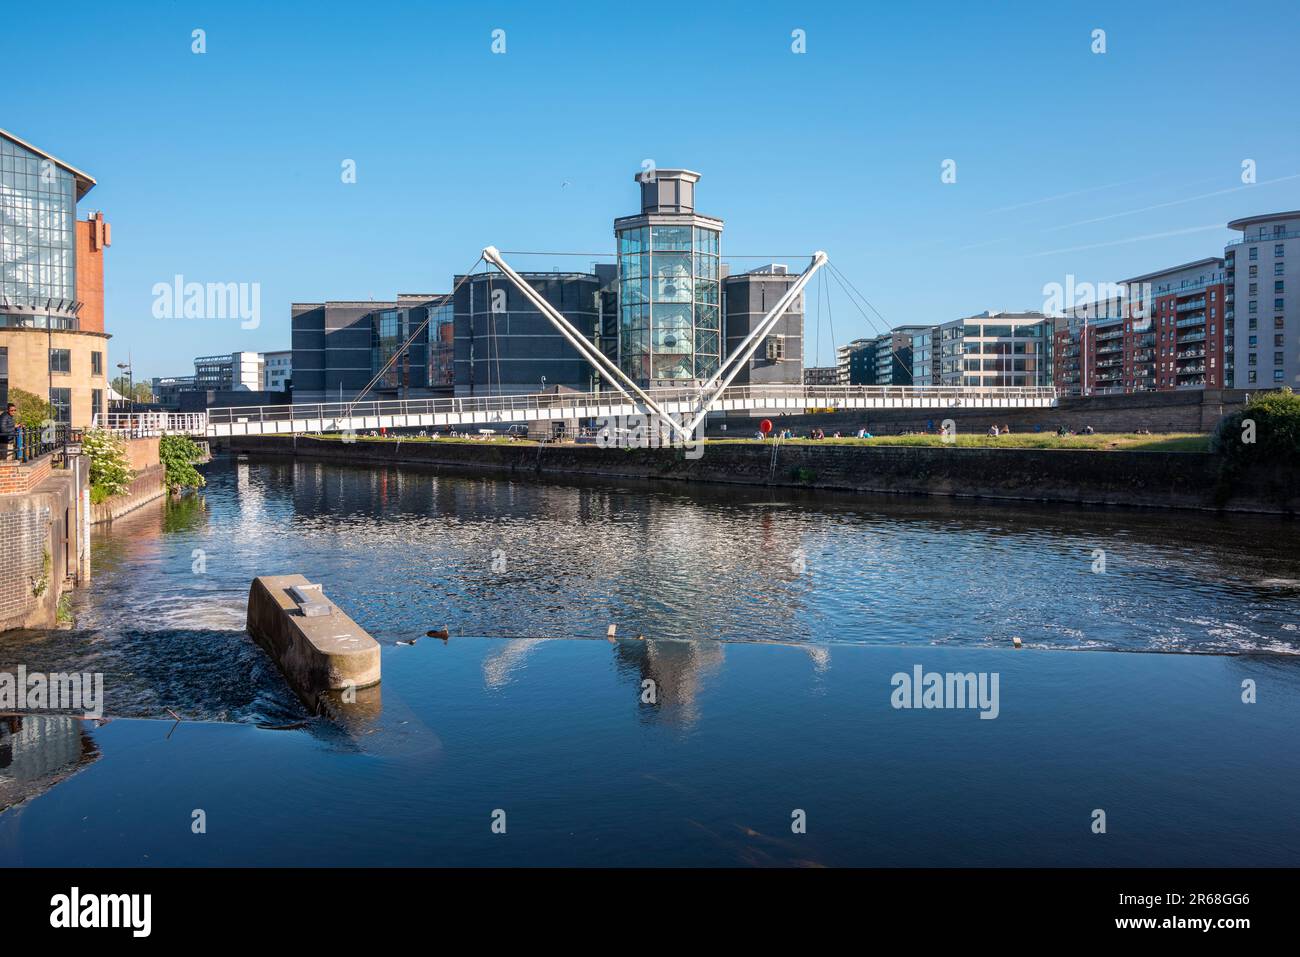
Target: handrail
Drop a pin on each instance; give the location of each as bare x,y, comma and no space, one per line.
810,396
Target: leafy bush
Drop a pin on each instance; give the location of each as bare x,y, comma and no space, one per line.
178,454
1266,431
110,473
33,411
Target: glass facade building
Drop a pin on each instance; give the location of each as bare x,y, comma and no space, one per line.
52,337
38,212
670,285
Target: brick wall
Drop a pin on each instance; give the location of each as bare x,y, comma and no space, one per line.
17,478
24,547
34,531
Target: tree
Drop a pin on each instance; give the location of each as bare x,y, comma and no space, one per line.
33,411
178,453
121,385
141,392
1266,431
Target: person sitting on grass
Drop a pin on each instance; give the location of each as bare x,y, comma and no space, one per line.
993,431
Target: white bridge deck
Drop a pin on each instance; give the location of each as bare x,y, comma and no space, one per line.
489,411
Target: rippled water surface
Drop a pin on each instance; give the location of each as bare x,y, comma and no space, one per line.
404,551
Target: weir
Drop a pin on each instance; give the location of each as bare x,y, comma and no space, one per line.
319,649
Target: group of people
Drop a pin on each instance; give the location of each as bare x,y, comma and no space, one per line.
995,430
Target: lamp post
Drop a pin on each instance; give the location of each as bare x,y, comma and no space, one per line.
130,385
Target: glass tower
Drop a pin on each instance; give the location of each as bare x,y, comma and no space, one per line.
38,207
669,284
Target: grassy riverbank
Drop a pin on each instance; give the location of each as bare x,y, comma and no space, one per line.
1126,442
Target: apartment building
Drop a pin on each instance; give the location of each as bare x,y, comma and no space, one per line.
1262,277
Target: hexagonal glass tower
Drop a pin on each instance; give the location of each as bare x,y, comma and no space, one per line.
670,314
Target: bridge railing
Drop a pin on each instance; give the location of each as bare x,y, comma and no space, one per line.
813,396
151,423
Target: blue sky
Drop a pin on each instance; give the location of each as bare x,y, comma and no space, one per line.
225,167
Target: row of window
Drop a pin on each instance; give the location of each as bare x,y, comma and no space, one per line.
61,362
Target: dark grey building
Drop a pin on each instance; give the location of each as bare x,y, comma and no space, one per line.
339,347
504,345
331,344
748,296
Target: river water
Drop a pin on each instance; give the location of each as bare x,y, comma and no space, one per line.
405,551
853,589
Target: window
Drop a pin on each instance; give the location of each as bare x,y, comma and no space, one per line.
4,375
61,361
1279,305
1254,253
96,401
1277,375
1279,341
775,348
1278,250
1254,271
61,399
1252,377
97,363
1278,287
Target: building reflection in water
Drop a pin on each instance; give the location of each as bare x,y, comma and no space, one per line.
39,751
679,670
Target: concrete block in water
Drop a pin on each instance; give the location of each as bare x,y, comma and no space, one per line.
316,645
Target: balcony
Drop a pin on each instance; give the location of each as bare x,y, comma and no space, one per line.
1191,370
1197,320
1189,354
1191,304
1192,337
1275,237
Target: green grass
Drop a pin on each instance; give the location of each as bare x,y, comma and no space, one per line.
1128,442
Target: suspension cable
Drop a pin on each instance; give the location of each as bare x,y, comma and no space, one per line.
407,344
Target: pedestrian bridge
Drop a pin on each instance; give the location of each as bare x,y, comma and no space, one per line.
486,412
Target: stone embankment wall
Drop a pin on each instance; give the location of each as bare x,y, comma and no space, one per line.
1149,479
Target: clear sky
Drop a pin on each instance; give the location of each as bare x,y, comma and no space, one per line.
226,166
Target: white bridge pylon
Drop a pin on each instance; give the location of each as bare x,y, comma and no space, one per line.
686,421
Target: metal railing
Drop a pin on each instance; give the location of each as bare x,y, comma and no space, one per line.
32,443
141,424
579,403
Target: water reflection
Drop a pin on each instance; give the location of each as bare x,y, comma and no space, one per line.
406,550
39,751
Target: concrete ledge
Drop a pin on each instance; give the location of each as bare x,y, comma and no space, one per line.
318,654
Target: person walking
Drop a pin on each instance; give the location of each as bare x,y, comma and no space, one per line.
8,430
